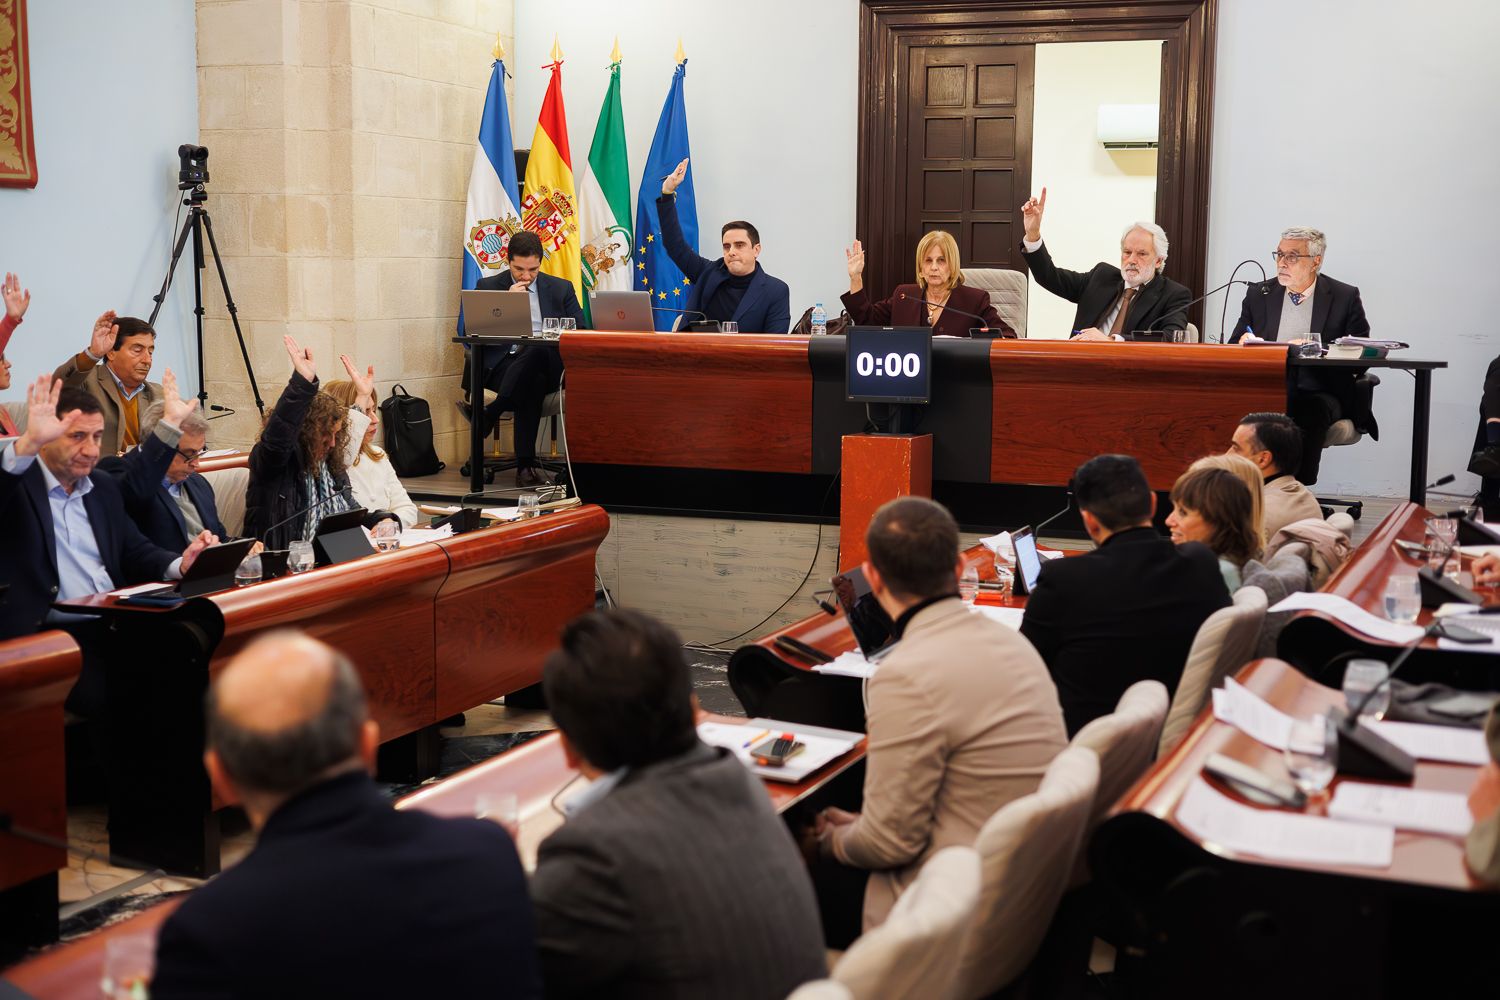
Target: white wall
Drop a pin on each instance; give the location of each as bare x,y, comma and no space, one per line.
114,93
772,113
1092,192
1343,116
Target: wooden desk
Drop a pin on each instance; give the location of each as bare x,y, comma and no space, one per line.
72,971
433,629
36,674
1253,927
1319,645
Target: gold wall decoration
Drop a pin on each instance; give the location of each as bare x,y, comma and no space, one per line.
17,146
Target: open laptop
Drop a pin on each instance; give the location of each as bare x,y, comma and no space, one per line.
621,312
496,314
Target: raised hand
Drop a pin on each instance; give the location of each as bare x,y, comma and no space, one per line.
174,410
16,301
854,256
102,340
43,425
1031,215
302,359
203,541
676,177
364,384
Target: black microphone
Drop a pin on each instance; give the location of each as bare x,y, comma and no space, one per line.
1444,481
1361,750
683,312
309,508
984,324
1037,531
8,825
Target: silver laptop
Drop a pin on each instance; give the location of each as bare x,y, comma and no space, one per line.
621,312
496,314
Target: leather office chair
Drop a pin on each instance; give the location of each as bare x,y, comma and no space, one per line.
229,497
495,461
1028,850
1007,292
1344,432
1194,336
914,954
1224,642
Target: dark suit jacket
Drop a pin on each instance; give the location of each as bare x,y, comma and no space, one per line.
140,472
766,307
28,546
1337,312
558,301
904,308
681,882
1161,304
1126,612
343,896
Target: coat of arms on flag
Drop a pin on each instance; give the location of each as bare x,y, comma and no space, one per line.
489,241
549,213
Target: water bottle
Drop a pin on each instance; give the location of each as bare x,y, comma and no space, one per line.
819,320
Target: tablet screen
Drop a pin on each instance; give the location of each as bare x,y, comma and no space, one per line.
1028,562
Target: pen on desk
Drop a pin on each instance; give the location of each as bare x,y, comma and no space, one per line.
991,585
757,736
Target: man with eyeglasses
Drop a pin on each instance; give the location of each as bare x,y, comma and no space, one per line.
163,492
1300,301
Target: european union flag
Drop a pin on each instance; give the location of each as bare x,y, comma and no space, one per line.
669,147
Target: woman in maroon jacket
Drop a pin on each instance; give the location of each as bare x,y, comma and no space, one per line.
938,300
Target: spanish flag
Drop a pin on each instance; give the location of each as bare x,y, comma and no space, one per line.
549,207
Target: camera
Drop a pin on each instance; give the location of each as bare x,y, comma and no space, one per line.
192,171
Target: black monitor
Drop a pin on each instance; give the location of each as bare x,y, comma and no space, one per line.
888,364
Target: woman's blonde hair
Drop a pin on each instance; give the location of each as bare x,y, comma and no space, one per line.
949,246
1221,498
346,393
1249,473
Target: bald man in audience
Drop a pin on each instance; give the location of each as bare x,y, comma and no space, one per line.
342,895
1273,441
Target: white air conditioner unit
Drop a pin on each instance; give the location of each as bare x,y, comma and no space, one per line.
1129,126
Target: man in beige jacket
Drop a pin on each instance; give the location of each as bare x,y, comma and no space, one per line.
1274,443
113,369
963,716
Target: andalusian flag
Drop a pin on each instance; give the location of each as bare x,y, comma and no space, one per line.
604,198
548,206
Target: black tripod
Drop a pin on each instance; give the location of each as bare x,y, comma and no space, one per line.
198,223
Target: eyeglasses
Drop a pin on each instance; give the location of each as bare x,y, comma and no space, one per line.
1290,258
189,456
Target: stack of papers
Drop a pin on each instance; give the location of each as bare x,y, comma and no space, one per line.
1404,808
1005,549
1350,614
417,536
823,745
1447,744
848,664
1282,836
1252,715
1009,617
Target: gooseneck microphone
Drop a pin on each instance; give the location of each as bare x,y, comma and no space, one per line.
308,509
1151,327
984,324
682,312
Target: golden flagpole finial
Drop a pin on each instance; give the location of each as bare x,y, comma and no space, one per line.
614,54
499,50
681,56
556,50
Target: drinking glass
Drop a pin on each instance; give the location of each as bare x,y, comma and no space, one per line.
129,963
1311,346
1442,533
1403,598
1360,678
500,807
729,326
526,505
968,584
388,535
550,328
1178,336
248,571
1311,754
567,324
299,558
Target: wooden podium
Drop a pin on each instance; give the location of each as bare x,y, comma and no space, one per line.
876,468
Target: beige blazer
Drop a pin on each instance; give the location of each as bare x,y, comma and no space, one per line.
962,718
99,383
1285,500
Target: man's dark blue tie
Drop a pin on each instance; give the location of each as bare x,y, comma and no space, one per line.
1296,298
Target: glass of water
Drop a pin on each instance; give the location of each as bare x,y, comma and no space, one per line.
526,505
1403,598
388,535
129,963
550,328
248,571
1311,754
299,557
968,584
567,324
729,326
1360,678
1311,346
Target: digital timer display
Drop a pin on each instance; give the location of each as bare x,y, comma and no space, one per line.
888,364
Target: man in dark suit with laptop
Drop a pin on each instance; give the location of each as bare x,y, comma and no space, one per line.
1129,302
522,375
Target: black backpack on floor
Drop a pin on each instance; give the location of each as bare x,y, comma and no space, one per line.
408,434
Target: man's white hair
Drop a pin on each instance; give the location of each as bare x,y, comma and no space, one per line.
1316,241
1158,239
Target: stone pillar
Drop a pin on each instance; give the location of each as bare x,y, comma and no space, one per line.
340,138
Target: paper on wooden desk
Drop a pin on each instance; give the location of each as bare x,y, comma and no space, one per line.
1009,617
1449,744
1282,836
1252,715
1404,808
851,663
1350,614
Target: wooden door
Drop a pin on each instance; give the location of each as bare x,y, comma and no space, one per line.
968,151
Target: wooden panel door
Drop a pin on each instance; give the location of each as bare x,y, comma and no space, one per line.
968,150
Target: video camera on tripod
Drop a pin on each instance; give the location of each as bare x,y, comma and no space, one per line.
192,172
